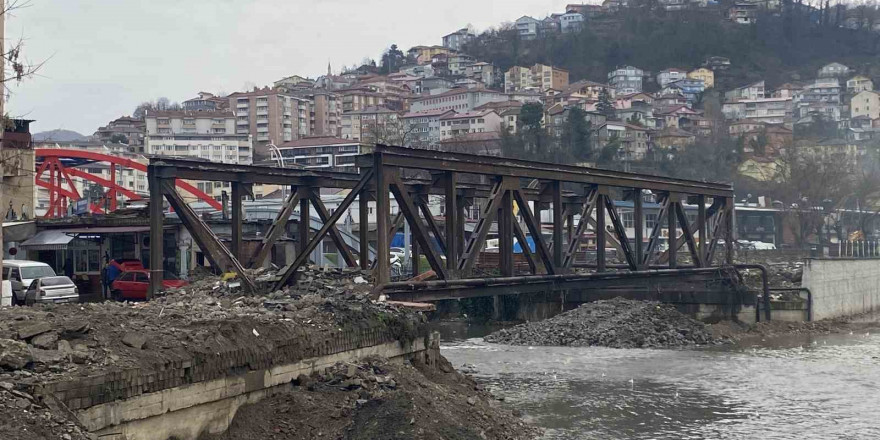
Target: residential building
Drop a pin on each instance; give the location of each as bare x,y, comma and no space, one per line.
587,90
517,78
787,90
539,78
859,83
622,102
865,104
423,128
769,110
132,129
453,125
17,165
372,125
459,38
716,63
359,98
705,75
633,139
551,25
586,10
325,112
435,85
743,12
668,76
674,117
750,91
206,102
270,116
485,73
418,70
805,112
690,88
833,70
460,100
484,144
571,22
458,63
626,79
508,110
424,54
822,90
320,152
673,138
528,28
295,82
210,136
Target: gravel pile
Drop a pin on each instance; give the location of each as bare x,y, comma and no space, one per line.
616,323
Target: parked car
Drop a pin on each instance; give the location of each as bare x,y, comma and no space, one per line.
21,273
118,266
134,284
57,289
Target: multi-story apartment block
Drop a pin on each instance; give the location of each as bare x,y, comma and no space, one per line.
767,110
586,90
270,116
690,88
359,98
460,100
705,75
750,91
424,54
865,104
571,22
833,70
459,38
458,64
423,128
418,70
539,78
822,90
132,129
485,73
198,135
859,83
320,152
325,112
294,82
458,124
528,28
371,125
667,76
626,79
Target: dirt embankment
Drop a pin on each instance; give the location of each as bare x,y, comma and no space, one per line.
616,323
379,400
742,332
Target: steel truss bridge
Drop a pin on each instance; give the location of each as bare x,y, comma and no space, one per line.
513,193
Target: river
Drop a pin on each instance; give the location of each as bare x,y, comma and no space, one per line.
816,387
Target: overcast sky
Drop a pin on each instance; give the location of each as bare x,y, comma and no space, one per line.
103,57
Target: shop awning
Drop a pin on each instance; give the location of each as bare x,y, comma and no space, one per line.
50,240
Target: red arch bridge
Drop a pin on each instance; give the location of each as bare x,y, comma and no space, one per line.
56,168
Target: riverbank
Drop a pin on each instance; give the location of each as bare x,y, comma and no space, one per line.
746,333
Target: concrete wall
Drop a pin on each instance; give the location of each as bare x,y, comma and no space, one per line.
842,287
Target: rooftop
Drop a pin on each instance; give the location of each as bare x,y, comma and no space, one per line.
317,141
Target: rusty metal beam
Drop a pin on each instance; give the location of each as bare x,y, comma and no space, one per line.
534,228
688,235
321,210
279,226
422,204
209,243
524,244
620,231
302,257
654,238
583,222
417,228
478,236
157,217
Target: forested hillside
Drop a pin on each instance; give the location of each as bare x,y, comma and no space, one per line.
788,45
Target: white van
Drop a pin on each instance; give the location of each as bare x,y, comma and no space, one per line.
21,273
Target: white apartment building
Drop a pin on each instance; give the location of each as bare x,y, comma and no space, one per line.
751,91
320,152
424,127
528,27
571,22
205,135
768,110
865,104
859,83
667,76
627,79
460,100
457,124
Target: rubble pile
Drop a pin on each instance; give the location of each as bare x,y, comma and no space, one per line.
22,417
49,342
377,399
616,323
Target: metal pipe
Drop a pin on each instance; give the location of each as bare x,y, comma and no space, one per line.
799,289
766,285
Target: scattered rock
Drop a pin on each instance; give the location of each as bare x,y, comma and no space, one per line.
46,341
134,340
29,331
472,401
14,355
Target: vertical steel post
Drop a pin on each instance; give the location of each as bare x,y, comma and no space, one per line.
452,219
383,245
600,230
236,220
558,247
157,247
701,228
505,234
672,235
729,234
364,228
305,219
638,219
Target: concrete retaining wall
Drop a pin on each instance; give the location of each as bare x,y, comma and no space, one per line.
842,287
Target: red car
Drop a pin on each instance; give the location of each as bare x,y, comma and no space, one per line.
134,284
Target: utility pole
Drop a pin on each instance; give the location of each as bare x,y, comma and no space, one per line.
2,113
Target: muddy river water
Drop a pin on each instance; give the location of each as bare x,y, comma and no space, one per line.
816,387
